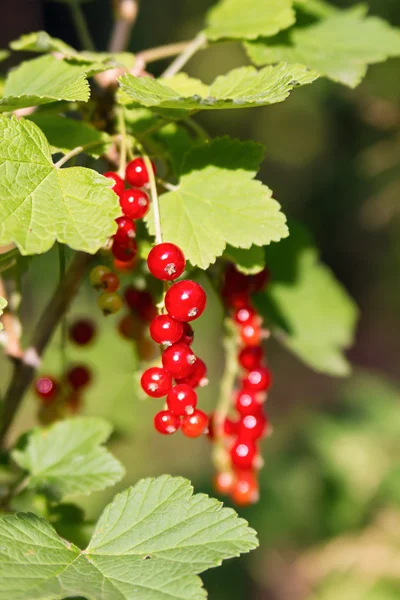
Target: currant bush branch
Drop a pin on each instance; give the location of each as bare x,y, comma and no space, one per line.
126,12
198,42
161,52
12,327
79,149
123,141
153,193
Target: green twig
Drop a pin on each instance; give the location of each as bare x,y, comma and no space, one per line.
123,142
80,25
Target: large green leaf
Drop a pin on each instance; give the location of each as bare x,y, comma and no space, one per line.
3,304
249,19
40,203
308,309
218,202
68,458
41,41
339,47
240,88
149,544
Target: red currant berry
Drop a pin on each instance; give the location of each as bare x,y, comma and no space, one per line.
223,483
126,252
259,281
245,490
244,315
110,303
230,427
198,377
110,282
134,203
236,299
250,357
165,330
79,376
136,172
251,334
166,422
46,388
141,302
179,360
96,274
236,281
258,380
166,261
82,332
252,427
119,185
188,334
126,231
156,382
182,400
185,300
195,424
243,454
129,265
247,403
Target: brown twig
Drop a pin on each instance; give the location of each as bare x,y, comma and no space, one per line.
25,367
126,14
12,327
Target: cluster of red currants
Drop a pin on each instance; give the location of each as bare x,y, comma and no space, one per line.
184,301
250,423
62,395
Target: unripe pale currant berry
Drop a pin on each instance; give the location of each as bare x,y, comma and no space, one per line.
244,315
134,203
166,261
250,357
195,424
166,330
46,388
243,454
198,377
136,172
82,332
119,185
185,300
166,422
258,380
182,400
96,274
251,334
110,303
245,490
126,231
179,360
156,382
110,282
79,376
247,403
252,427
126,252
223,482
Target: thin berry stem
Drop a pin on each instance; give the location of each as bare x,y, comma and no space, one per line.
123,142
161,52
80,149
154,195
196,128
185,55
64,323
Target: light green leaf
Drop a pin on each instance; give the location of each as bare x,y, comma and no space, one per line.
64,134
317,8
40,41
250,19
3,304
309,310
249,261
40,203
218,202
175,142
240,88
340,47
4,54
68,458
150,543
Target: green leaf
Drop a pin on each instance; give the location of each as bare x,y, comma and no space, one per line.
3,55
150,543
40,41
68,458
40,203
340,47
240,88
65,134
175,142
249,20
218,202
309,310
317,8
43,80
3,304
249,261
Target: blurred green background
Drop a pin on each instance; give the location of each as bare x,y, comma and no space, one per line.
329,515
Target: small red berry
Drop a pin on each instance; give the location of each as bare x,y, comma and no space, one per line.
182,400
198,377
166,261
250,357
251,334
156,382
134,203
119,185
166,330
110,282
46,388
236,299
166,422
129,265
244,315
223,483
126,231
96,274
230,427
245,490
252,427
188,334
136,172
259,281
140,301
185,300
236,281
126,252
243,454
130,327
195,424
258,380
79,376
179,360
82,332
247,403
